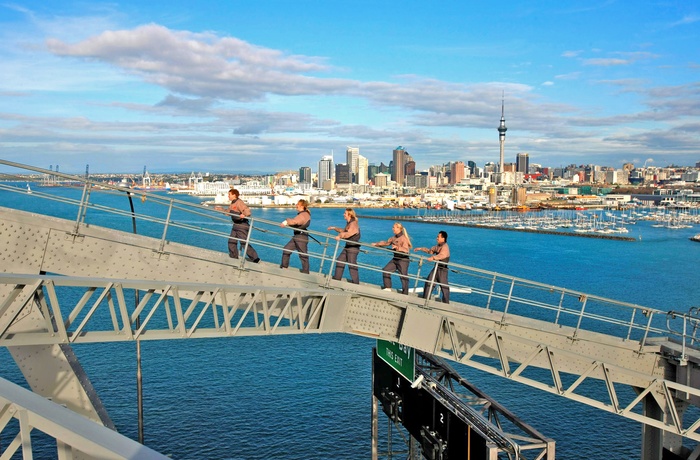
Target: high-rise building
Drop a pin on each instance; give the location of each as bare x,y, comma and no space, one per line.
381,179
342,173
305,175
372,170
522,163
456,172
325,170
410,168
351,156
361,176
399,160
420,180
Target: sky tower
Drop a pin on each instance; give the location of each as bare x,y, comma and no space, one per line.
502,136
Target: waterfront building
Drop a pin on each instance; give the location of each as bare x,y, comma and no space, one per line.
399,160
325,170
519,196
211,188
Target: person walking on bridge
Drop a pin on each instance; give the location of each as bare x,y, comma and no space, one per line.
239,212
348,255
400,243
440,253
300,240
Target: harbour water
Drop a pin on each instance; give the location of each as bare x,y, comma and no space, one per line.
301,397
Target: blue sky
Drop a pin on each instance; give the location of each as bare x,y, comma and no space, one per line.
243,86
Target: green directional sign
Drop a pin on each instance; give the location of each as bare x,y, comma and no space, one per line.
401,357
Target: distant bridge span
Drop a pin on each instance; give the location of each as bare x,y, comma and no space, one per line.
46,259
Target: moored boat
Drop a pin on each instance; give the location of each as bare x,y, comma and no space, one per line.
695,238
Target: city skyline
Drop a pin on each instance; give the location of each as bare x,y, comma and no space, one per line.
241,87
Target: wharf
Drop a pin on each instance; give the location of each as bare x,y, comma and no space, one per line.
510,229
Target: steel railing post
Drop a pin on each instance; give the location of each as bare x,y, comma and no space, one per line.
244,252
493,285
561,303
429,285
323,256
82,209
333,263
580,316
417,279
165,228
510,295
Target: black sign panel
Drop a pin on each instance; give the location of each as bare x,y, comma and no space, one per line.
441,433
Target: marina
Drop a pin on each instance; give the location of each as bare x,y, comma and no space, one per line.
602,224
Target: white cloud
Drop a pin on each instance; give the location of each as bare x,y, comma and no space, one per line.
568,76
606,61
689,19
203,65
571,54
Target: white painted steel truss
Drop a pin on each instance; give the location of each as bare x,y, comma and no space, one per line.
156,311
672,397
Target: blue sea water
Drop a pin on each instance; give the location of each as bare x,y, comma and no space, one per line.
302,397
